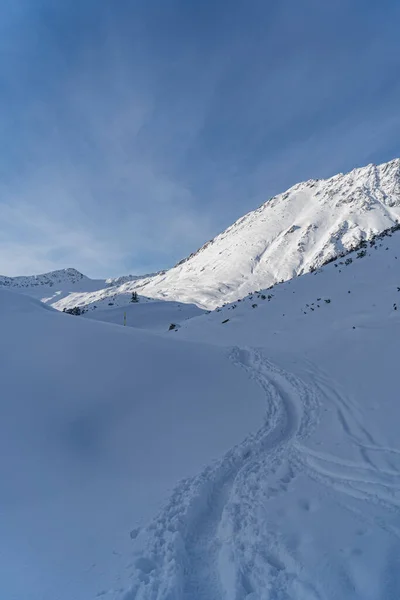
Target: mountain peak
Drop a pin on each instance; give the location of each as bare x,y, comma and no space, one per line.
69,274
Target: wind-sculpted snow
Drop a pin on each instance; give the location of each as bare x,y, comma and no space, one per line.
46,279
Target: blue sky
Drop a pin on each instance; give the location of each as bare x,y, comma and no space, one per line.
134,131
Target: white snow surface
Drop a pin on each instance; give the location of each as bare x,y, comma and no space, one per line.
115,281
306,508
314,513
293,404
154,316
98,423
252,454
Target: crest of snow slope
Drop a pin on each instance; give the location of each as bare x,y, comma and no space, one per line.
111,305
288,235
115,281
310,509
98,423
154,316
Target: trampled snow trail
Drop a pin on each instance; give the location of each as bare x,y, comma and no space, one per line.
193,547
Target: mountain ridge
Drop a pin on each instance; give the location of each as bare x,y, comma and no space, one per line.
69,274
290,234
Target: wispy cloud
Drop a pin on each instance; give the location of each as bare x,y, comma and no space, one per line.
134,133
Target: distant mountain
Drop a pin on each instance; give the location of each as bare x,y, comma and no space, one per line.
53,286
46,279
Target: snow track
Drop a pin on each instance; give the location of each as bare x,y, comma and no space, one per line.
375,477
196,547
224,534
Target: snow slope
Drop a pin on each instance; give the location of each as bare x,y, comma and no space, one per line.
153,316
308,507
109,300
288,235
98,423
357,288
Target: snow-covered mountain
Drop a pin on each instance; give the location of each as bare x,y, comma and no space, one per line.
288,235
60,277
53,286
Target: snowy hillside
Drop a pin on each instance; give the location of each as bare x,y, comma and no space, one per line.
152,315
98,423
350,292
288,235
